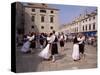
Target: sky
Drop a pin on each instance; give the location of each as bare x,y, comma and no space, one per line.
68,12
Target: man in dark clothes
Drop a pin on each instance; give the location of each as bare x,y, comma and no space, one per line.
81,40
54,48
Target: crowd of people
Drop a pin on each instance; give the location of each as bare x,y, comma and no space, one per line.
49,44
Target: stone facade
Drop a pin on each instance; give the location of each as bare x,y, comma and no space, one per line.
83,23
40,18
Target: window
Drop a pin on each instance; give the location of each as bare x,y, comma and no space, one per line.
94,17
86,20
77,29
42,18
83,21
33,10
89,19
93,26
52,11
43,4
89,26
43,11
51,19
83,28
42,27
33,18
86,27
32,27
51,27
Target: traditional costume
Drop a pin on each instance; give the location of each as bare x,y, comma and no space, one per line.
62,40
41,40
81,44
75,53
25,47
54,46
33,41
45,53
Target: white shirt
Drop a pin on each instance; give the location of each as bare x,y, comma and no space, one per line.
48,38
31,38
61,37
65,37
52,38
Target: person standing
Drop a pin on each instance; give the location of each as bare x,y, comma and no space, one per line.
62,39
41,40
81,40
54,46
75,53
33,41
45,40
45,53
26,46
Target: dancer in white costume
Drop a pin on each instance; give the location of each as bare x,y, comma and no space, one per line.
26,46
45,53
75,54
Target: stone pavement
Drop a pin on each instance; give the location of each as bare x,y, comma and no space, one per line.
33,63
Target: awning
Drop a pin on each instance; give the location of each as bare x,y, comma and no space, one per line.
90,33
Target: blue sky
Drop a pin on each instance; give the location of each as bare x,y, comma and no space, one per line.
68,12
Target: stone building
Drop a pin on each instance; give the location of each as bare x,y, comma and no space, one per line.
40,18
34,17
85,23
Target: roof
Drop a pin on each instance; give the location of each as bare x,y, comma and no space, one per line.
42,8
39,5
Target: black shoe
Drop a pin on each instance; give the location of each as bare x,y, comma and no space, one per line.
75,60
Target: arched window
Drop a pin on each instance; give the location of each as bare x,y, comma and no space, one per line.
83,28
93,26
94,17
86,27
89,26
90,19
33,18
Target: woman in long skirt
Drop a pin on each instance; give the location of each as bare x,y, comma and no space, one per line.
61,39
41,40
75,53
26,46
45,53
33,40
54,46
